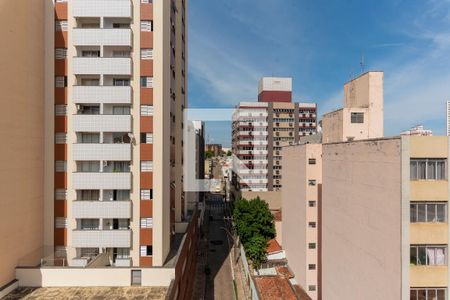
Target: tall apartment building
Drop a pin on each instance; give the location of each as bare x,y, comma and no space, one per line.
22,127
261,129
119,91
448,118
381,216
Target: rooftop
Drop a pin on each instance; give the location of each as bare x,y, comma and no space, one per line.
273,246
274,287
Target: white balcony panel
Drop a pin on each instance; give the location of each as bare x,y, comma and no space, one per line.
253,171
123,262
101,8
97,123
101,209
101,151
101,65
106,181
102,94
101,238
98,37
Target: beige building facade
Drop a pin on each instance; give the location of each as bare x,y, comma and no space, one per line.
362,116
22,126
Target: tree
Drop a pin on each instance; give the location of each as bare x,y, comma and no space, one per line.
209,154
255,227
229,153
256,250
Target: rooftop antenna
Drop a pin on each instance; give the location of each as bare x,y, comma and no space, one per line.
361,63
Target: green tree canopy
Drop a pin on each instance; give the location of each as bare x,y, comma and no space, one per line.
255,227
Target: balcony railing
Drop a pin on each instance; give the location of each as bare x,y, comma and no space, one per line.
102,94
101,238
101,209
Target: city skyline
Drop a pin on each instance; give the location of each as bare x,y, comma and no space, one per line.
407,40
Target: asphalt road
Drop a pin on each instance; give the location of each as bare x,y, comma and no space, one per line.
219,284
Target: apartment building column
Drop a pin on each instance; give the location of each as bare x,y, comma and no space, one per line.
146,134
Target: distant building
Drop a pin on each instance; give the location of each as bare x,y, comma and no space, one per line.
417,130
448,118
216,149
260,129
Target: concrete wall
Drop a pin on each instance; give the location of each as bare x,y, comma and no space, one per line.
22,130
361,220
273,198
297,214
66,277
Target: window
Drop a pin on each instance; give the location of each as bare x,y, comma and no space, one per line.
312,203
146,222
60,110
147,26
428,169
60,53
121,253
146,138
121,82
60,166
146,1
60,222
311,267
121,53
428,212
146,166
90,53
312,224
147,194
89,224
88,195
60,194
146,54
121,110
121,25
357,117
146,82
428,294
312,245
90,82
146,250
430,255
146,110
61,25
90,138
60,138
311,288
60,81
312,161
88,166
312,182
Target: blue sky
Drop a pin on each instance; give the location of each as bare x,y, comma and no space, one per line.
319,43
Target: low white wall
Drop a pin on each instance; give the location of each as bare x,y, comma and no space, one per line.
60,277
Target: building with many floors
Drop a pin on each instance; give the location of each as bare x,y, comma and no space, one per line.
417,130
367,218
104,125
22,127
261,129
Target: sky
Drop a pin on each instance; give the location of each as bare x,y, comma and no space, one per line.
233,43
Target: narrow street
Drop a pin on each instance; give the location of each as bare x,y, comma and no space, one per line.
219,283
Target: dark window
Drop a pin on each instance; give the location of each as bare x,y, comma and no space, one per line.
312,245
312,161
357,117
312,203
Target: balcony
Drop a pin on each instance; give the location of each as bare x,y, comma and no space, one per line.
99,37
101,238
101,8
101,65
101,209
101,152
123,262
102,94
106,181
98,123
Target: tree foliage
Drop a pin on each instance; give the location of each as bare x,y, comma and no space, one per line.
209,154
255,227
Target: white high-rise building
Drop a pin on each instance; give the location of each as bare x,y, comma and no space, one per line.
448,118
